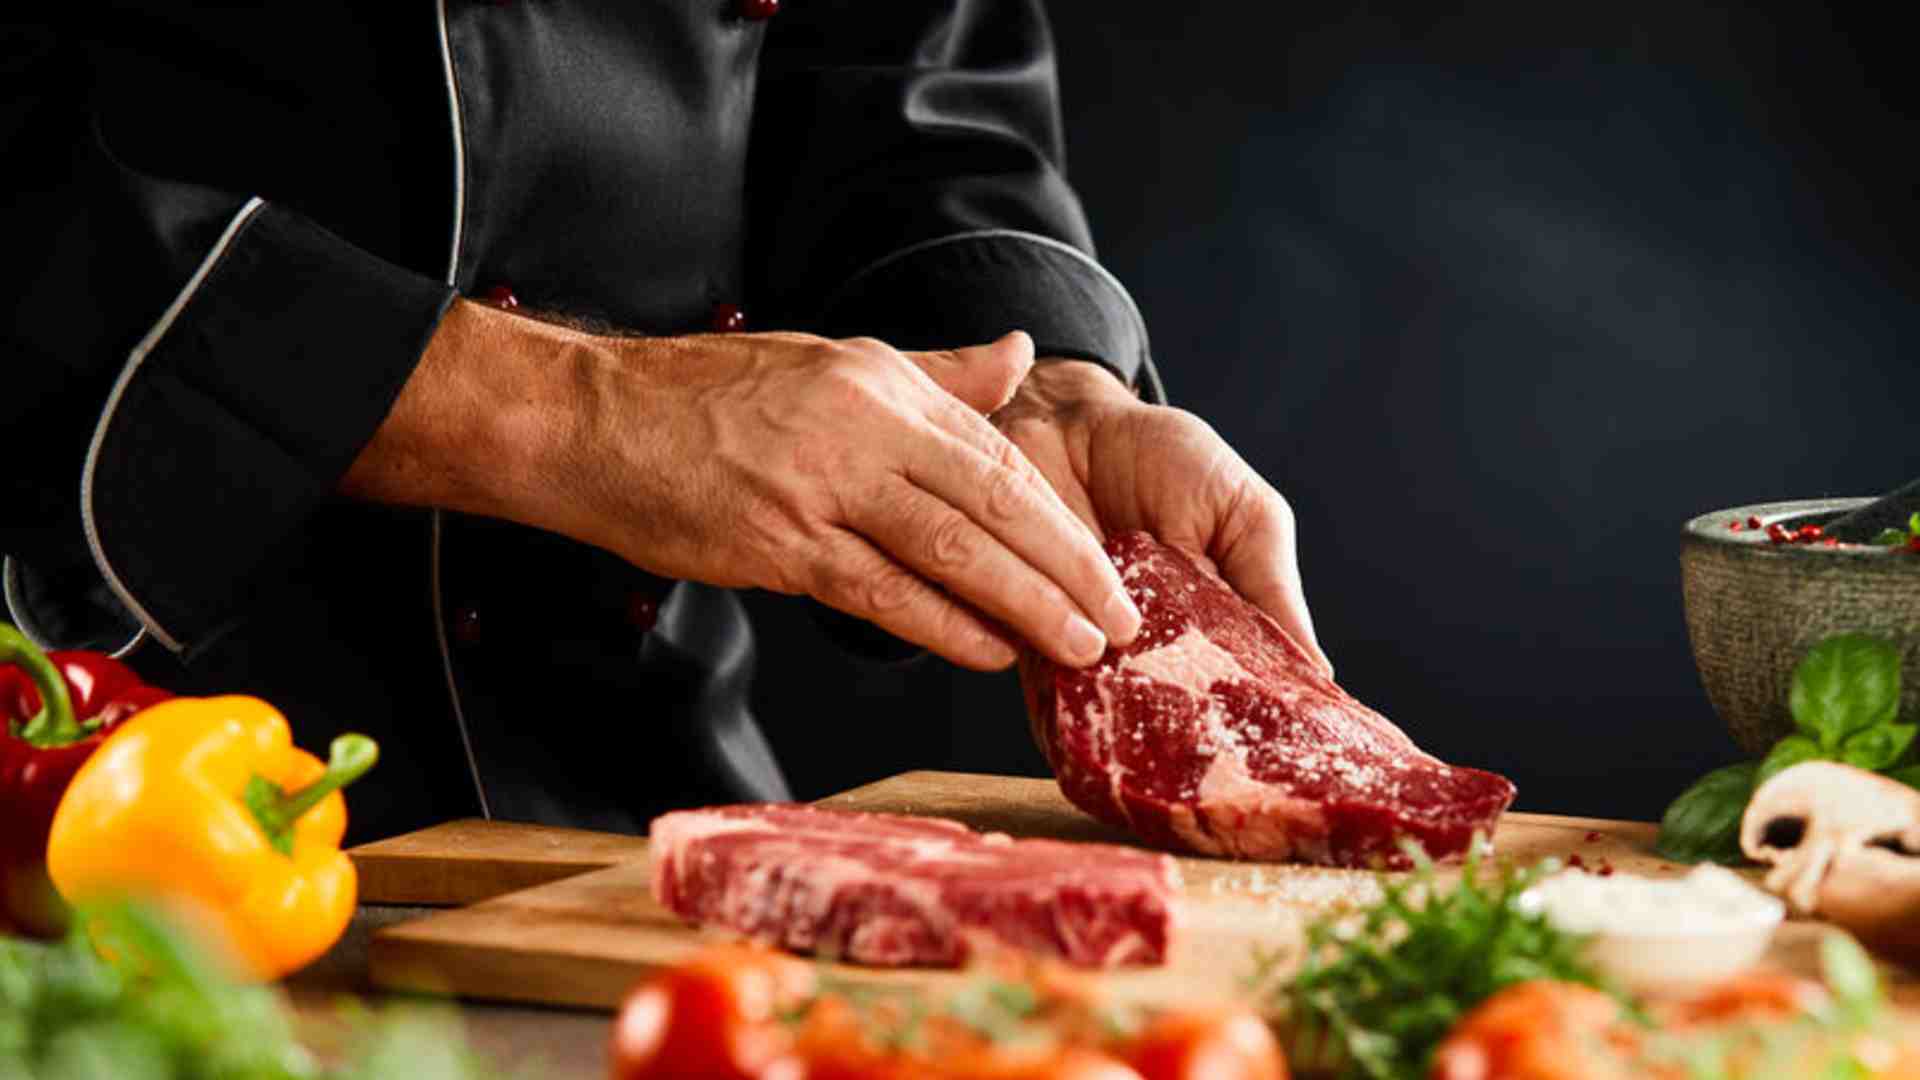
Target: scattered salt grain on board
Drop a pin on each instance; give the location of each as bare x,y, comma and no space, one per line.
1329,890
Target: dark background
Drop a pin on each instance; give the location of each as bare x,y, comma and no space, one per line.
1498,296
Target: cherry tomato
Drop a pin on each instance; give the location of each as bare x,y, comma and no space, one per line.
714,1017
1216,1044
987,1062
1541,1030
1759,995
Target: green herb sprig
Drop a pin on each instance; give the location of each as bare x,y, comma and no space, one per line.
1379,990
1845,701
1898,538
130,997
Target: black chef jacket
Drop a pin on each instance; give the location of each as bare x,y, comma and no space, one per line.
231,228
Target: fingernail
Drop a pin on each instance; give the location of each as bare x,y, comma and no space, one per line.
998,653
1123,618
1084,641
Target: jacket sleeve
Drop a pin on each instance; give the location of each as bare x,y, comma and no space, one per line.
907,184
193,369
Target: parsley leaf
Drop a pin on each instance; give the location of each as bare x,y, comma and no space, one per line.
1376,995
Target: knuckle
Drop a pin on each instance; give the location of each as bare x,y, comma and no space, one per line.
1190,427
1278,508
868,351
887,590
948,542
1006,493
847,386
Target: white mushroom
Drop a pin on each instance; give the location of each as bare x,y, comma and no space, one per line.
1843,844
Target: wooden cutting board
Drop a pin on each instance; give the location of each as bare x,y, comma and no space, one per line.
470,860
585,939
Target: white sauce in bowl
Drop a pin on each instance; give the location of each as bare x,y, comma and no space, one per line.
1709,900
1662,933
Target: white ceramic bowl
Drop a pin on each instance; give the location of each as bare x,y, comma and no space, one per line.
1660,935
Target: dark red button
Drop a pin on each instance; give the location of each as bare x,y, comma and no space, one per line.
759,9
643,609
503,296
727,319
466,626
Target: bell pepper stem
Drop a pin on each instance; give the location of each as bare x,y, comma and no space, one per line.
54,724
348,759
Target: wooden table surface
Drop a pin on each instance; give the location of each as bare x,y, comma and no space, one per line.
552,1044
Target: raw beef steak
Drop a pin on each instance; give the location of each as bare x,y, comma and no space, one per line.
1214,732
891,890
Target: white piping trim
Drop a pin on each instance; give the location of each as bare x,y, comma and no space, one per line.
17,611
453,274
138,357
1106,275
459,145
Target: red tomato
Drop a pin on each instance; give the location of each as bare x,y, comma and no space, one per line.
835,1044
1215,1044
847,1062
1541,1030
713,1017
1756,995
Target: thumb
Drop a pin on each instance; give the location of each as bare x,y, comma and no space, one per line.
983,376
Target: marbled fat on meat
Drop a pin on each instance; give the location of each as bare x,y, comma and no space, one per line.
891,890
1214,732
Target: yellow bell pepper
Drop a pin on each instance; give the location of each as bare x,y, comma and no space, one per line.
206,803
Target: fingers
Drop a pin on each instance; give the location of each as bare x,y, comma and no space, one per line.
944,545
983,376
862,581
979,473
1261,560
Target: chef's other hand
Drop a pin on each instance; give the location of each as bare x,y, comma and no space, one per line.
1122,464
845,470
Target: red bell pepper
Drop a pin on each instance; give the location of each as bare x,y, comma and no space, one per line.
55,708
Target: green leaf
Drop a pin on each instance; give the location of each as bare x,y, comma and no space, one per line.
1850,976
1906,774
1785,754
1376,992
1890,538
1703,823
1848,683
1913,523
1877,747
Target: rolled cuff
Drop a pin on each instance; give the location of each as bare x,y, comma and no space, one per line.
973,287
237,414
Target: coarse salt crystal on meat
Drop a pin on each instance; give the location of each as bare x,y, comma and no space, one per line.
892,890
1215,732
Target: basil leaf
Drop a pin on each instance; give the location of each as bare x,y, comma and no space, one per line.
1793,750
1848,683
1890,538
1913,523
1703,823
1877,747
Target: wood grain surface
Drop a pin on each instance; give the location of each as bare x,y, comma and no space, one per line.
584,940
470,860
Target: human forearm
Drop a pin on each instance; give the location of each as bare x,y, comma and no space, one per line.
845,470
485,415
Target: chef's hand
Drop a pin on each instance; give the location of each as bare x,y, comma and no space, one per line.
864,477
1122,464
